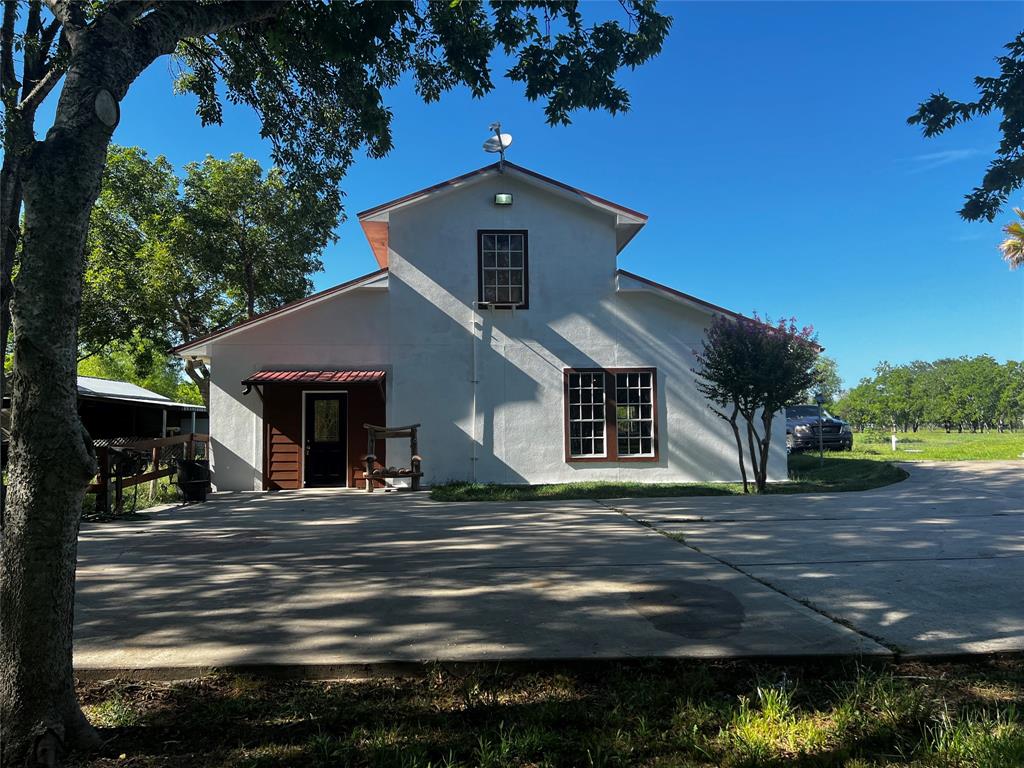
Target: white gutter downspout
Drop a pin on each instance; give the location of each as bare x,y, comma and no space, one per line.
476,322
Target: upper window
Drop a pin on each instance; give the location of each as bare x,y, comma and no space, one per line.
502,268
611,414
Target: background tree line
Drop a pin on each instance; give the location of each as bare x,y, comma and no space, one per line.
964,393
171,259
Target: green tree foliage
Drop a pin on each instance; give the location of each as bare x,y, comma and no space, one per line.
169,260
974,393
1012,247
752,369
827,381
137,205
259,236
1003,94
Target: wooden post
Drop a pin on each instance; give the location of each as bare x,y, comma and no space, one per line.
414,463
156,466
370,459
119,489
103,493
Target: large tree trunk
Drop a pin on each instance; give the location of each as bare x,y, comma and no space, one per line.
200,376
51,454
739,446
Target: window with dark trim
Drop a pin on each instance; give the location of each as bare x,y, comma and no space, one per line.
611,414
502,269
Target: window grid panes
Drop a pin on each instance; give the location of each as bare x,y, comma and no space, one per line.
634,413
586,414
503,268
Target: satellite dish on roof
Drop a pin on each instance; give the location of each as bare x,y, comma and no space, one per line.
499,142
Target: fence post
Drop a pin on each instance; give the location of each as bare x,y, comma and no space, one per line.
156,466
119,488
103,493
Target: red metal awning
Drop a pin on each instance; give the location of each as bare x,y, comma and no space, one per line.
314,377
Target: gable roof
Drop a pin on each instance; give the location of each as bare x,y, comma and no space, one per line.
634,282
628,281
376,279
374,221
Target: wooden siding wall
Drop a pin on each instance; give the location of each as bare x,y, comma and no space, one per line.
282,419
282,447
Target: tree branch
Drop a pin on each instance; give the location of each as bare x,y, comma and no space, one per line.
160,31
49,33
69,13
54,70
8,81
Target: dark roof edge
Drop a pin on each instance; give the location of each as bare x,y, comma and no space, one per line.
493,166
283,308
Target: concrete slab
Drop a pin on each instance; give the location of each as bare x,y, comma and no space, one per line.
933,489
928,565
333,578
924,607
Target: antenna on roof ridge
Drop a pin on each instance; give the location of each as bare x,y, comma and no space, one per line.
499,142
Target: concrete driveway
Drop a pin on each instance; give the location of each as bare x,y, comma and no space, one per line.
932,565
326,579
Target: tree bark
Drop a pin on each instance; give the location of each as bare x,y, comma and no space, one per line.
751,440
51,454
200,376
739,445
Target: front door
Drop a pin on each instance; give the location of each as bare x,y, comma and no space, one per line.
325,449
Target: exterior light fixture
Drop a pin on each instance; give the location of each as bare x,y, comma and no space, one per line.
503,198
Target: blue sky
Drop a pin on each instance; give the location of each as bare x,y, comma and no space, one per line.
769,147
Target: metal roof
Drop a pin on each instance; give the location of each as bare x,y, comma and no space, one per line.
109,389
314,377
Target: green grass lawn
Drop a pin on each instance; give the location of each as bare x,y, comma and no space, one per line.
654,714
938,445
806,476
867,466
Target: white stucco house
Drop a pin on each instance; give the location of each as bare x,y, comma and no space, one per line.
500,323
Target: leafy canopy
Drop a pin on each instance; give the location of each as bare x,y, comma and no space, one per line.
259,235
756,365
316,72
1002,93
955,393
752,368
170,260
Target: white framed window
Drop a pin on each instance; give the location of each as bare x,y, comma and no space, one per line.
611,414
503,274
587,422
634,413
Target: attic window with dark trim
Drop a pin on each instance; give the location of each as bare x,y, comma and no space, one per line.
502,272
611,414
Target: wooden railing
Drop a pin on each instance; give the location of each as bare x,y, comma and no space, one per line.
114,463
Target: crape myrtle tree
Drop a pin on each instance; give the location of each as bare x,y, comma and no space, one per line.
315,73
751,369
1003,94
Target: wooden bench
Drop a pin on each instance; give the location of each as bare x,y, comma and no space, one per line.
414,471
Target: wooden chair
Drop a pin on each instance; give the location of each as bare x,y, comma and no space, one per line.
414,471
